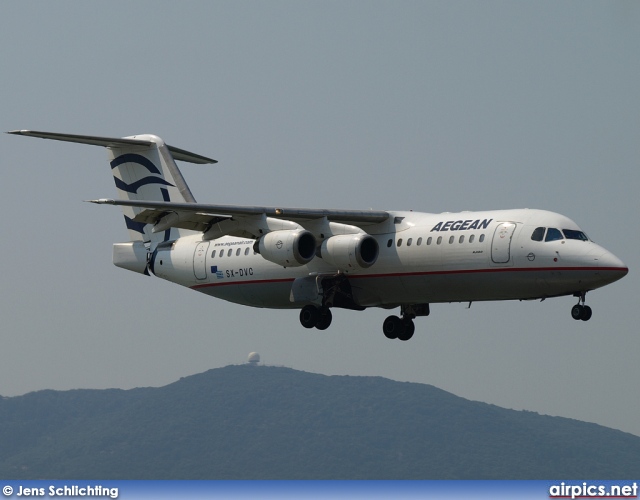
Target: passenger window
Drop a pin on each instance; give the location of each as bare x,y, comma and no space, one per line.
229,253
451,238
471,238
213,254
400,242
481,238
237,252
389,243
439,240
419,242
246,251
538,234
221,253
553,234
409,242
461,240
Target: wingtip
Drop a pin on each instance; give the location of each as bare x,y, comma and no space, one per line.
101,201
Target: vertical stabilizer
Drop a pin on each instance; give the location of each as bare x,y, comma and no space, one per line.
143,168
147,173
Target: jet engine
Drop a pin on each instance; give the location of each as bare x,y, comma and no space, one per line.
349,252
287,248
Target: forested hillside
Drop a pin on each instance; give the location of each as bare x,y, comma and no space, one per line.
259,422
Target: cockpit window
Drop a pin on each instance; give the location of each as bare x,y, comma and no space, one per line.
572,234
538,234
553,234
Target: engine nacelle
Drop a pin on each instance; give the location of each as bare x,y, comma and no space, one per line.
349,252
287,248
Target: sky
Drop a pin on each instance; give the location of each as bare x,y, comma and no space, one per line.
425,106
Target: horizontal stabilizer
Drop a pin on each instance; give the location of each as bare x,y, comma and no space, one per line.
114,142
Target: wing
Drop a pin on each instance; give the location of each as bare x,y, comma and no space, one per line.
244,221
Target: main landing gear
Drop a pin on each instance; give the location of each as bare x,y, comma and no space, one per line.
580,310
403,328
396,328
336,292
312,316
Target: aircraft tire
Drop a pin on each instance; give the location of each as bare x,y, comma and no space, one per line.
586,313
577,311
309,316
408,328
392,327
325,319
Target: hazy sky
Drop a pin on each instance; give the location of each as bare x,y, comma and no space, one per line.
430,106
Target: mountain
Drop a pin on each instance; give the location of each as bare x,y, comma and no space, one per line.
264,422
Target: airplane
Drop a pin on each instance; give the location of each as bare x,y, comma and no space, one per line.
317,259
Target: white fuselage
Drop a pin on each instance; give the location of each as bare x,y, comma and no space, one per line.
316,259
423,258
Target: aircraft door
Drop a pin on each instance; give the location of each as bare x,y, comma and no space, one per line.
199,260
501,244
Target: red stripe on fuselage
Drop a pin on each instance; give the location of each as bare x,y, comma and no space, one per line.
496,270
250,282
425,273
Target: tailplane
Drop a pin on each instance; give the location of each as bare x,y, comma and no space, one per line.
143,168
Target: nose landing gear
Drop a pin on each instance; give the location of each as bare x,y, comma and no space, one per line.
580,310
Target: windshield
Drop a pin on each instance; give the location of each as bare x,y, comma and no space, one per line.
553,234
572,234
538,234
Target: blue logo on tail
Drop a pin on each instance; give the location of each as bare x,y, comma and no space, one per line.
146,163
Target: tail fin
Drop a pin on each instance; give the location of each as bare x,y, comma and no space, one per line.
143,168
147,173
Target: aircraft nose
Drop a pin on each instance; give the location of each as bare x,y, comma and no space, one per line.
610,267
609,261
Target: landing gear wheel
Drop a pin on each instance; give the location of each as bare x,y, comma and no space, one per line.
577,311
325,319
408,327
580,311
586,313
309,316
392,327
